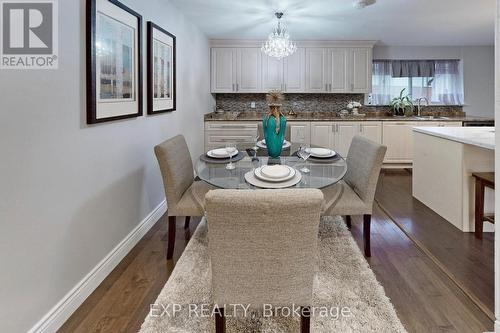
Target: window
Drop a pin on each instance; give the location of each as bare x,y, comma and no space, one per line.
440,81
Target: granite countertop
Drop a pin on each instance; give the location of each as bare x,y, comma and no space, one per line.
333,116
483,137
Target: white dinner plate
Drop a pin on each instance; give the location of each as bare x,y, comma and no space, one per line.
220,153
322,152
262,144
258,175
275,171
251,179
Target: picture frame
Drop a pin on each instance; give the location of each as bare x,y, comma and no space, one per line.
161,67
114,61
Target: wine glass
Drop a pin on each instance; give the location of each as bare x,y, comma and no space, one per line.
304,153
230,149
256,140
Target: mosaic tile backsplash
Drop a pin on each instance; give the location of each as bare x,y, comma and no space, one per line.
312,103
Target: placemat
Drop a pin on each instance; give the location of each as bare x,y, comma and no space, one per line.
212,160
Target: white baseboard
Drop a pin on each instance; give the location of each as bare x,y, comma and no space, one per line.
58,315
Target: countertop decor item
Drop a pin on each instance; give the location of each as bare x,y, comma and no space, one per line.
278,44
274,124
353,107
402,105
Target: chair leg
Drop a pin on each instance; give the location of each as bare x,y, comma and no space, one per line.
171,237
186,223
348,221
479,210
220,321
305,319
366,234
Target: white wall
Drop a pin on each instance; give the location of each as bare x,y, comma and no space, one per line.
478,63
69,193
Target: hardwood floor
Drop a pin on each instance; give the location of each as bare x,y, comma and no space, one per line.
468,260
425,299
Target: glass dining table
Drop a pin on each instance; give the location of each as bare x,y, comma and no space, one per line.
322,173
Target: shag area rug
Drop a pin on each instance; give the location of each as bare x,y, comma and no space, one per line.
345,285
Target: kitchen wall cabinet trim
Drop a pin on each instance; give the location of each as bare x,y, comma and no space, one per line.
316,67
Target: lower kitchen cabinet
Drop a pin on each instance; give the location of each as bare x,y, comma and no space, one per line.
300,132
338,135
398,137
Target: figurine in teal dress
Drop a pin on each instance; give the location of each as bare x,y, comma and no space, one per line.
274,132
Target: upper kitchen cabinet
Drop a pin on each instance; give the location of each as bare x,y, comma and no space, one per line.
316,67
236,70
272,73
248,70
360,70
295,72
223,71
337,70
286,74
316,70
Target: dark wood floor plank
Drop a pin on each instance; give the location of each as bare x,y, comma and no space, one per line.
468,260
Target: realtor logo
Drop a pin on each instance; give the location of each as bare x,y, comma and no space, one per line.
29,34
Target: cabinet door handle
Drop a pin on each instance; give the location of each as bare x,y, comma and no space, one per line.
352,86
233,86
330,86
237,87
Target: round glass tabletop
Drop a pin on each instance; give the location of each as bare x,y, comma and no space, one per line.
322,173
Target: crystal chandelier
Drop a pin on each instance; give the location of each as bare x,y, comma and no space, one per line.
278,44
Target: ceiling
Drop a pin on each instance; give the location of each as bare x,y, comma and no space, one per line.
391,22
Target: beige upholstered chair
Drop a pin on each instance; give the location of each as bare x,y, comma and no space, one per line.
184,195
364,161
263,247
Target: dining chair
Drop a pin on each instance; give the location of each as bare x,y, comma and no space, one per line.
364,161
260,132
184,195
263,248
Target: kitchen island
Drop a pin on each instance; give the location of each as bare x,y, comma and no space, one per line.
444,159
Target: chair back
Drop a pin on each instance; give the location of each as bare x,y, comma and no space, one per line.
176,167
263,245
364,161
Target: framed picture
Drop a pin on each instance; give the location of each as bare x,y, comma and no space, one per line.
161,70
114,71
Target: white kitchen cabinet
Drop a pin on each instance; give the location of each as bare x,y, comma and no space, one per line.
294,71
338,135
344,132
337,70
371,130
398,137
236,70
223,71
322,134
248,73
218,133
316,70
272,73
360,70
300,132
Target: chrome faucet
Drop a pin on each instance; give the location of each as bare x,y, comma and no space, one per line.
419,107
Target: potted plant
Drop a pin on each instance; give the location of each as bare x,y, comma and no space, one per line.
402,105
